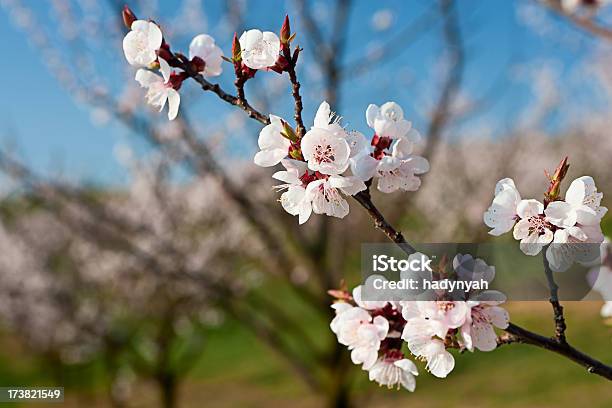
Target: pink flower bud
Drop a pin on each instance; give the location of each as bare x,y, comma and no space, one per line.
285,31
128,17
236,49
552,194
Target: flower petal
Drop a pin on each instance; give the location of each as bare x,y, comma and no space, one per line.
529,208
174,100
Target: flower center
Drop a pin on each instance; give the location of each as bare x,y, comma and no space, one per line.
445,306
380,144
537,224
324,154
592,200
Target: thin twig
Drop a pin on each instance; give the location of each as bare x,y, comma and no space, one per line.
554,300
564,349
442,112
381,223
585,23
231,99
295,89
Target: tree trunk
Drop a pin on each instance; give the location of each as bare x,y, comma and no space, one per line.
338,395
168,386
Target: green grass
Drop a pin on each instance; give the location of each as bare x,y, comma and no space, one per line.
237,370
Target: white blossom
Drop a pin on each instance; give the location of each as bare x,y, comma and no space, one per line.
356,329
274,146
294,200
325,146
533,230
397,169
442,315
606,309
502,214
394,373
422,342
159,89
367,304
140,45
600,275
325,152
574,244
387,120
326,197
397,174
259,50
582,205
477,331
204,47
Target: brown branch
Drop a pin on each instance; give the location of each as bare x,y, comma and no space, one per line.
394,47
295,88
239,101
313,30
585,23
564,349
442,112
554,300
239,83
380,222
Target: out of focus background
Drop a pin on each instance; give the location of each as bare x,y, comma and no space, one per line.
147,263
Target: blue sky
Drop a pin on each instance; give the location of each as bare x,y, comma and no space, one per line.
52,129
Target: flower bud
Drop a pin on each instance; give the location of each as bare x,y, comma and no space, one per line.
288,132
128,17
295,152
236,49
285,31
296,54
553,191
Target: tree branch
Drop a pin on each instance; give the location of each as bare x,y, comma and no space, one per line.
585,23
441,114
520,335
216,89
564,349
364,198
554,300
295,88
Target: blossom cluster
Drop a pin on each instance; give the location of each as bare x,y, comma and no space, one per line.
316,164
145,47
375,331
569,227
